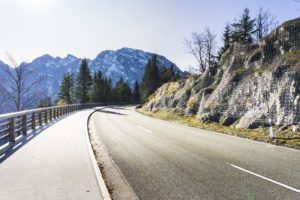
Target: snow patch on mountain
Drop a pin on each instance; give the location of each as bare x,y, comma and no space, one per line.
126,63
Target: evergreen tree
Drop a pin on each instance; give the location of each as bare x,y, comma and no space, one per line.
244,28
136,92
66,90
126,93
47,102
122,91
151,78
97,93
108,97
84,82
167,74
226,40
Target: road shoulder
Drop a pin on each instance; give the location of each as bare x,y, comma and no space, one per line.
118,187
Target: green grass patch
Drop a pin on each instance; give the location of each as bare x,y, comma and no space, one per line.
260,134
292,56
258,70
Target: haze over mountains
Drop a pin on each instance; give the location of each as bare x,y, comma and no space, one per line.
125,62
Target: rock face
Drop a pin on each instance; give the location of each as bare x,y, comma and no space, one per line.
251,84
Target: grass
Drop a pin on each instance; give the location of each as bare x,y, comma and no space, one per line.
172,87
260,134
292,56
258,70
193,103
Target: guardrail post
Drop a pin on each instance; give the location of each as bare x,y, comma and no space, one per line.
53,113
24,125
50,114
40,118
33,126
46,116
12,138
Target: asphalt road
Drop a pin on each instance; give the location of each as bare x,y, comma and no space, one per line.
164,160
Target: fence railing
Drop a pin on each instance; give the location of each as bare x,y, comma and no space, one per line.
14,127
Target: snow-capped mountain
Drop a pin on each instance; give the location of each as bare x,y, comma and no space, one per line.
126,62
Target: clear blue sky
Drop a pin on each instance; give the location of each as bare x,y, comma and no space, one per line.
30,28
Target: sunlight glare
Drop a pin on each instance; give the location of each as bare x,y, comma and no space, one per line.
36,3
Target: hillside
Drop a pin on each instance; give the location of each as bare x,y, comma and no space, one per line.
250,84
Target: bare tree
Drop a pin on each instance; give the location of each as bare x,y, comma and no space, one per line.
19,88
265,23
210,46
202,46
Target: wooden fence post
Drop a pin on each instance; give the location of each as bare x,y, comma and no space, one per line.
12,138
33,126
50,114
24,125
46,116
40,119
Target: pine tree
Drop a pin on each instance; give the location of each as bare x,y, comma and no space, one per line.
244,28
136,92
108,90
126,92
151,80
47,102
66,91
84,82
97,93
122,91
226,40
167,74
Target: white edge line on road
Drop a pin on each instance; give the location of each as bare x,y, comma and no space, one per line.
99,177
147,130
265,178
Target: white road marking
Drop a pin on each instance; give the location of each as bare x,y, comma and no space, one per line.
265,178
147,130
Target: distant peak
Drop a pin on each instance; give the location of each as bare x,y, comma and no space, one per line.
71,56
45,57
127,49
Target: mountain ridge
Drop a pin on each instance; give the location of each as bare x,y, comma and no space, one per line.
126,62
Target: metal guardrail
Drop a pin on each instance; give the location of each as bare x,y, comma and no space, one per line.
14,127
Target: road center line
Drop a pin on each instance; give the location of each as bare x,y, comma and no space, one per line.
265,178
147,130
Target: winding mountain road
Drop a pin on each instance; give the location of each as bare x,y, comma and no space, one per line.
164,160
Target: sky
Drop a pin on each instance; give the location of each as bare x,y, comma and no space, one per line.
84,28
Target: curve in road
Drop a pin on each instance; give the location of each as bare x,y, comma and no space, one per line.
164,160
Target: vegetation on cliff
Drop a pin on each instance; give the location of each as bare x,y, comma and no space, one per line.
251,85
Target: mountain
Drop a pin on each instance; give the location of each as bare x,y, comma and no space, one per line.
51,70
252,83
126,62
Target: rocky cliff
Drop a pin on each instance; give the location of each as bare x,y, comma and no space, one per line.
251,84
